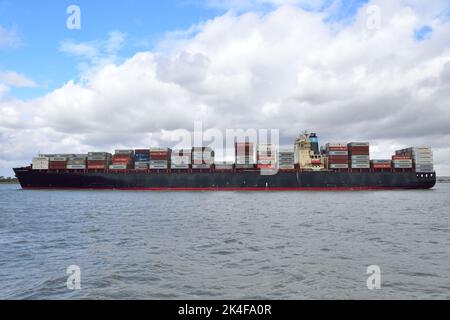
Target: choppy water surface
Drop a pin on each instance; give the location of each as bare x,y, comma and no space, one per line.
224,245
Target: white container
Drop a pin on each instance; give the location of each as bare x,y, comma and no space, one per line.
425,168
118,167
40,163
181,160
360,158
179,166
286,167
158,167
360,166
128,152
76,167
359,144
336,145
382,161
266,162
58,159
338,153
338,166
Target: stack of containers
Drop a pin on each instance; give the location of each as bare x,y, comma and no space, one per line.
98,160
77,163
359,155
422,158
202,158
58,162
381,164
181,159
286,160
265,157
402,162
41,163
224,165
122,160
244,155
337,154
159,158
141,159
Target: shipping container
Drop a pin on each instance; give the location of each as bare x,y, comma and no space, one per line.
286,166
425,168
221,167
266,166
76,167
336,147
397,157
338,153
179,166
99,154
359,144
360,166
245,166
118,167
360,157
124,152
40,163
201,166
181,160
382,161
97,166
338,166
266,162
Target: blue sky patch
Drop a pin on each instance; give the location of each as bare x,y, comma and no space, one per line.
423,33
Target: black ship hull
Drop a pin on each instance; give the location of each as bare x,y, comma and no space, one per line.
244,180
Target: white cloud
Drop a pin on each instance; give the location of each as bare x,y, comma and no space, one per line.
94,55
286,69
9,38
14,79
242,5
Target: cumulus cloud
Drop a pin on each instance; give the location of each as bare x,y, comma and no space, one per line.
93,55
288,68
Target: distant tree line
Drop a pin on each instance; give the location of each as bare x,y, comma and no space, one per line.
8,180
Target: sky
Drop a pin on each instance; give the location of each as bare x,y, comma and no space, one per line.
137,72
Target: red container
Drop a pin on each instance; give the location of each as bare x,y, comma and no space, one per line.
121,157
382,166
97,166
265,166
338,160
338,149
119,163
401,158
159,156
97,162
358,149
57,165
358,153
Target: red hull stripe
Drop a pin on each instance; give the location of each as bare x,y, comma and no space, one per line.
226,189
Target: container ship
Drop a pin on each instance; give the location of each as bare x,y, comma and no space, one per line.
257,167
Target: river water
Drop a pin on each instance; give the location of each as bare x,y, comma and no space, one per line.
224,245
